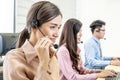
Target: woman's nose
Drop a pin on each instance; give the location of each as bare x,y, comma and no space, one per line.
56,33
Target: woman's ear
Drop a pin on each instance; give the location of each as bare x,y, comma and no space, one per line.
33,29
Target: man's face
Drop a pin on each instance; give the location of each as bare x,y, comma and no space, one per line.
100,32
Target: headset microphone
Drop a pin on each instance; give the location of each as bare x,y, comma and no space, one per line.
104,38
55,46
81,42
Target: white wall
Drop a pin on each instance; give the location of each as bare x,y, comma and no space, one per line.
6,15
23,6
108,11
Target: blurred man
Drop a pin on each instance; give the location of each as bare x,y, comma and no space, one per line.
93,53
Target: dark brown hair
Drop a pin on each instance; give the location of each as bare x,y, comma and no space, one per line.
69,37
46,11
96,24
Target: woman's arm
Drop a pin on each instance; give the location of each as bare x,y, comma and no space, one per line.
13,68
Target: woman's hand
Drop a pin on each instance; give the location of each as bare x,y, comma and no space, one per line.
54,68
42,50
106,73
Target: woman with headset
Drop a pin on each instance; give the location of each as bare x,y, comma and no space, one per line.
34,58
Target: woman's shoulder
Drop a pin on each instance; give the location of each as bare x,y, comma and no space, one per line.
62,50
14,61
15,54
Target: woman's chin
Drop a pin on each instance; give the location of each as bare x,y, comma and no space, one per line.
78,42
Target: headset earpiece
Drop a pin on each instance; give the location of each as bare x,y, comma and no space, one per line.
97,31
35,23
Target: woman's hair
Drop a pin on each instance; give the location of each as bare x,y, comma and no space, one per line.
69,37
40,12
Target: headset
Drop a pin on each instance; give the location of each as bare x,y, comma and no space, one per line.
35,21
98,30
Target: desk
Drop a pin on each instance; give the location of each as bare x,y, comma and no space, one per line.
115,68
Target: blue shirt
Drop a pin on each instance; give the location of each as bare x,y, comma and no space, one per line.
93,58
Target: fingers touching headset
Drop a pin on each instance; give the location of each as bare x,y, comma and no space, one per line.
42,49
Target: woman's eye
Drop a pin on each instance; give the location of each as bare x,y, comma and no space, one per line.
52,27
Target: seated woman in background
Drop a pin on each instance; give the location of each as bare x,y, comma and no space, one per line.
33,59
71,67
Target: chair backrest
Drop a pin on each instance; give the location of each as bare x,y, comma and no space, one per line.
8,41
1,44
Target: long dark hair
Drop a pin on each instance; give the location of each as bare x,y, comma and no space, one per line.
46,11
69,36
